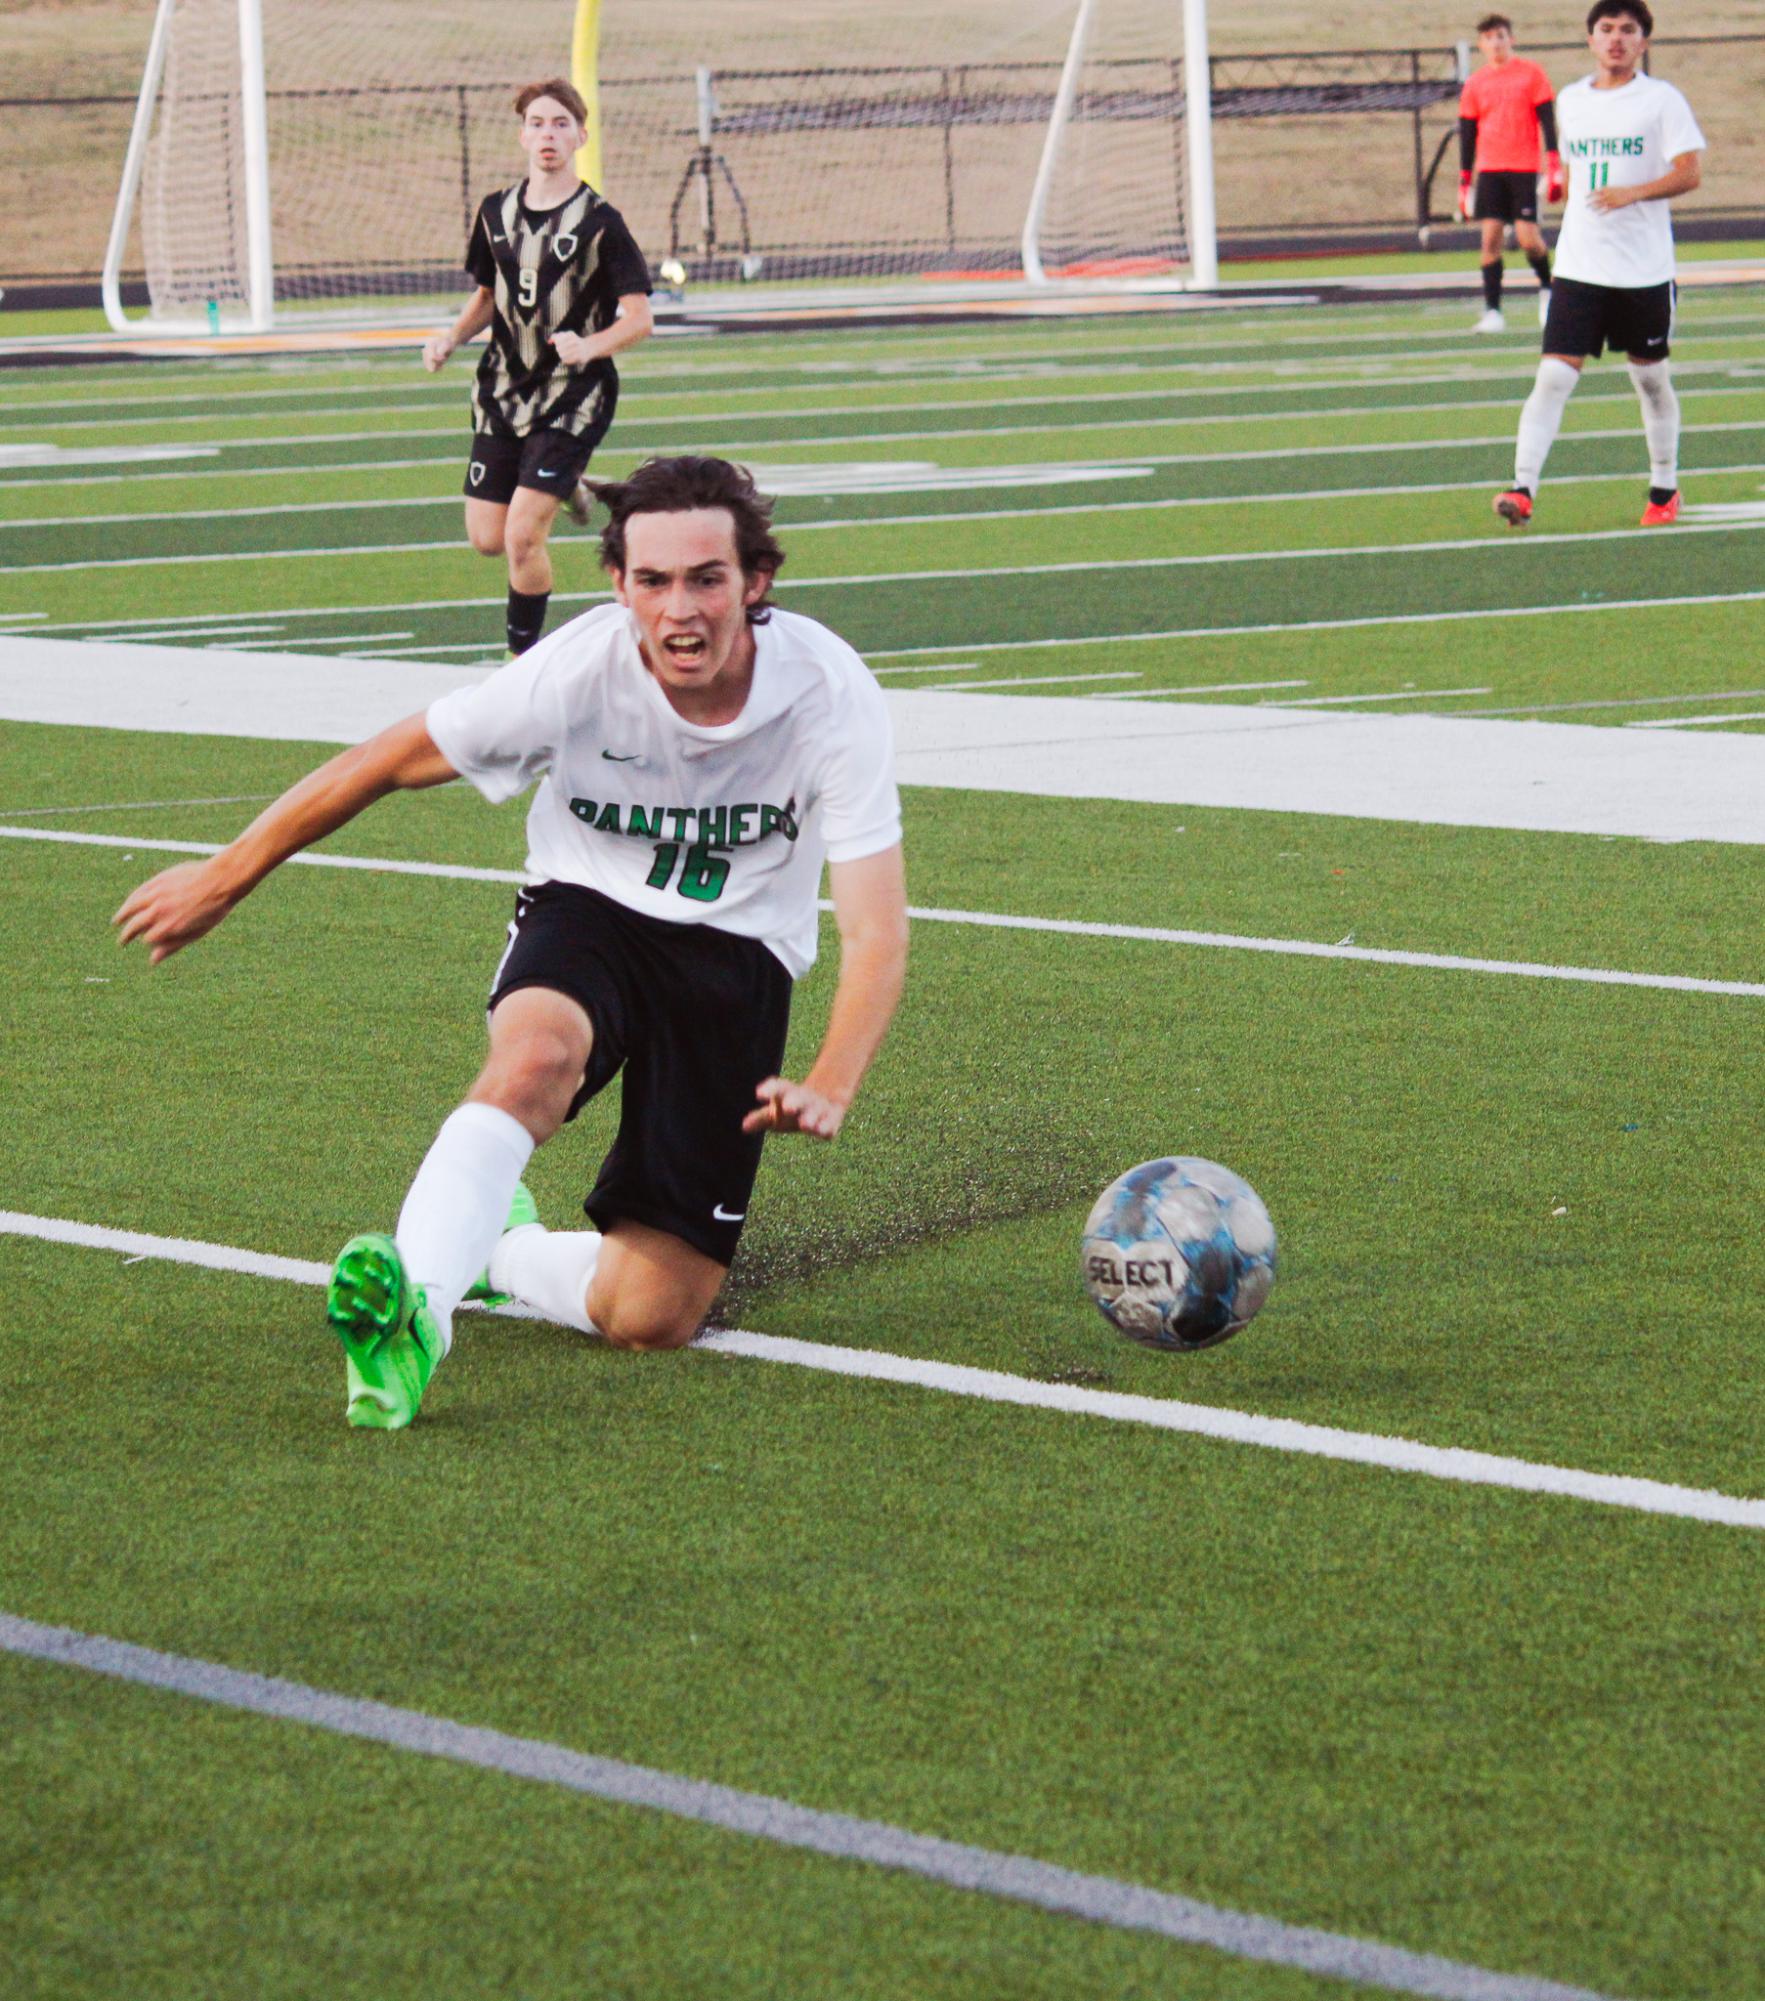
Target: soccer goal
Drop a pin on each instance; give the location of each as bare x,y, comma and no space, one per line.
293,154
318,153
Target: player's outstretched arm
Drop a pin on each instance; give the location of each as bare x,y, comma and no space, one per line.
870,907
179,905
477,313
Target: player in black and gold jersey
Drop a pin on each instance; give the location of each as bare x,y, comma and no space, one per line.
563,288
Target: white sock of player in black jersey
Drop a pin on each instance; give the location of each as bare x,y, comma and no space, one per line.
458,1205
1660,421
550,1271
1540,416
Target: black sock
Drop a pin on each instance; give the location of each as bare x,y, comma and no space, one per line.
1540,260
1492,285
1660,495
526,617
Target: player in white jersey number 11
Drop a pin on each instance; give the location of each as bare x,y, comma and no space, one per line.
698,757
1631,146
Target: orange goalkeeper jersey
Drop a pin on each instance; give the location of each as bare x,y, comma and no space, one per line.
1504,99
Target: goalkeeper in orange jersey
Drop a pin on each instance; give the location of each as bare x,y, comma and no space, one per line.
1506,107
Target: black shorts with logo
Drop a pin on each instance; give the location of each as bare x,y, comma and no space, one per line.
1585,319
695,1017
1505,198
548,461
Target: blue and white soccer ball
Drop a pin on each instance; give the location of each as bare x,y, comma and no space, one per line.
1179,1253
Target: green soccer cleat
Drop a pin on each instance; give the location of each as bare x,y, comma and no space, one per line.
522,1210
391,1343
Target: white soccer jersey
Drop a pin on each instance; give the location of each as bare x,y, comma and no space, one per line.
1619,139
724,825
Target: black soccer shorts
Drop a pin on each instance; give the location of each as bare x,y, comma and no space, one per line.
1584,319
1505,197
696,1018
547,461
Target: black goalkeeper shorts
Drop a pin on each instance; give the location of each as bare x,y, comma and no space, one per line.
695,1018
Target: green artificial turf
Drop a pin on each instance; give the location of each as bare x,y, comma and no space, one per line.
1514,1214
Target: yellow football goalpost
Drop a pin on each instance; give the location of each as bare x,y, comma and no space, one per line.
585,73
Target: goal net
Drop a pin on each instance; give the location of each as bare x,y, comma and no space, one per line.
384,123
300,153
883,142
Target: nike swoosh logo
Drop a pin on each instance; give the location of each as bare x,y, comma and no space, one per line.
547,472
613,757
722,1215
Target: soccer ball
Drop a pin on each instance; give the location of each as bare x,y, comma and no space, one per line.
1179,1253
672,273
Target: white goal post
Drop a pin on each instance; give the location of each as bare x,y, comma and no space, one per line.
1097,200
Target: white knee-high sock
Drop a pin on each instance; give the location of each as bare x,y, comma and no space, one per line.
458,1204
1660,420
550,1271
1539,418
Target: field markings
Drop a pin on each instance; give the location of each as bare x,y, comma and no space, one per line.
140,805
1098,469
1698,722
1067,927
1488,540
1695,378
1382,695
1018,1879
1317,625
1154,694
1032,681
1503,439
746,447
1459,1466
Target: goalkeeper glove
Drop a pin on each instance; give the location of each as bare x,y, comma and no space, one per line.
1556,182
1465,196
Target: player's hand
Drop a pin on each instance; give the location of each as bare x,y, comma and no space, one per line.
572,348
173,909
1465,201
794,1108
1556,182
1606,200
436,350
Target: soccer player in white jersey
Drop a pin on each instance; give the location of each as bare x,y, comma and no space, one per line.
563,288
1631,144
698,756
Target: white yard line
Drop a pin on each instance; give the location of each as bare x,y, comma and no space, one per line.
1301,948
1033,681
753,447
1698,722
748,449
1157,694
1018,1879
1389,695
635,409
1517,372
328,639
1486,542
1317,624
1237,1427
137,805
1102,467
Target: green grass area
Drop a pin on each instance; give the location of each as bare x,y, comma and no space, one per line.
1515,1215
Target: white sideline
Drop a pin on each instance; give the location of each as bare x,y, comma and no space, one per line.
1237,1427
1104,1900
1297,948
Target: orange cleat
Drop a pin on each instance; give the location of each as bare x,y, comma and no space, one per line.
1514,506
1662,513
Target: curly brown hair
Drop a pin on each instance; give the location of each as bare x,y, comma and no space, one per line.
678,486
